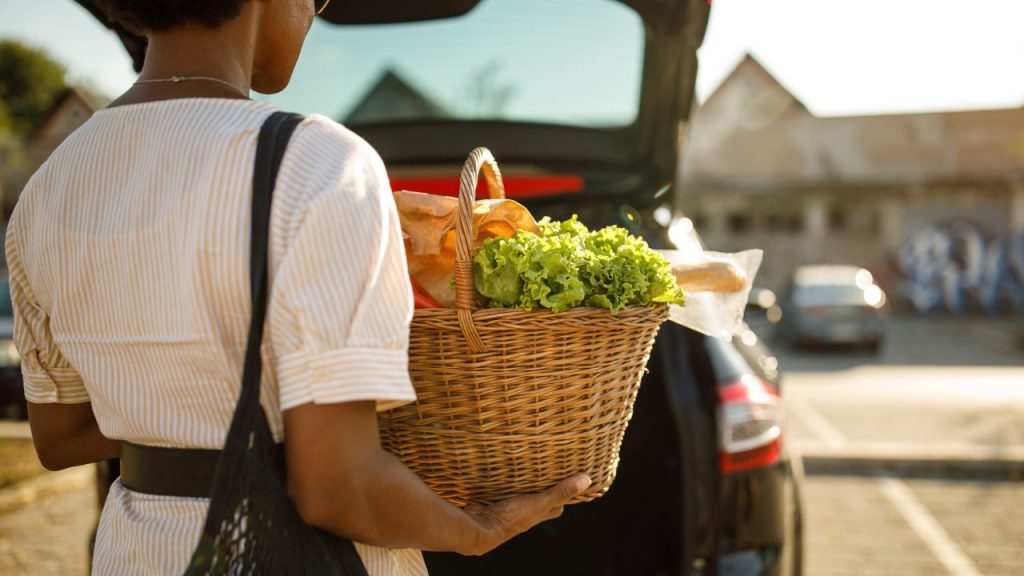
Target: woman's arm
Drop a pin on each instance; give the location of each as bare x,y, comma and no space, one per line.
341,480
67,435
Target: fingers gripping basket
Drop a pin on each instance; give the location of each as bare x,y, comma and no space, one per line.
512,401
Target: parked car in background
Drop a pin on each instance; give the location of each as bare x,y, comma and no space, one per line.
582,103
834,304
763,312
12,394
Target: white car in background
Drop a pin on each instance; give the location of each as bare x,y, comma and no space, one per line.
834,304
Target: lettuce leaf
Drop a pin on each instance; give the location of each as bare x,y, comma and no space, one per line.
568,266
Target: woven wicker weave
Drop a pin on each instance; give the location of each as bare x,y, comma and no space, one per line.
512,401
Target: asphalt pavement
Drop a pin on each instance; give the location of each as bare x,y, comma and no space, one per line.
886,525
941,390
915,456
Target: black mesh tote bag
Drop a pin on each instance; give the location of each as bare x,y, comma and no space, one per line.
252,527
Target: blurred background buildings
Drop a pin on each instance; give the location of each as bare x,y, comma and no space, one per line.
931,203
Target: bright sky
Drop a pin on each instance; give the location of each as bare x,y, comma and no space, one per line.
842,57
838,56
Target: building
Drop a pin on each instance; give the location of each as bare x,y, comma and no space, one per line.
68,112
932,203
12,166
392,98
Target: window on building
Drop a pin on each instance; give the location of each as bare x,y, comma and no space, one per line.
738,222
874,221
790,222
837,219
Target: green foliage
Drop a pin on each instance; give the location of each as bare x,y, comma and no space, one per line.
5,119
567,266
30,82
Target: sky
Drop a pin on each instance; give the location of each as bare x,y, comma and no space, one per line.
840,57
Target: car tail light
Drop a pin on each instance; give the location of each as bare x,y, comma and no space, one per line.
750,419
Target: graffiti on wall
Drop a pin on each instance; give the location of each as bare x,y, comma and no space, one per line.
955,267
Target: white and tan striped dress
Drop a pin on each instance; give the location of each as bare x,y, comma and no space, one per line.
128,256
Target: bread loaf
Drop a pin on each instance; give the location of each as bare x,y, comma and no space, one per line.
709,276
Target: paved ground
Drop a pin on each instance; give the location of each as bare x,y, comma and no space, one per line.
49,537
952,385
947,387
861,524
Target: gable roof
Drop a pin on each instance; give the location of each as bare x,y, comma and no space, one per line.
393,98
89,99
751,69
733,141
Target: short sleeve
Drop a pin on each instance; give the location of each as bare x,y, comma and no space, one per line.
47,375
341,302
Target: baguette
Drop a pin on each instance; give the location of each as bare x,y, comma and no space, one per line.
709,276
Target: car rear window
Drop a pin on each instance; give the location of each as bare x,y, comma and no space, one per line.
726,360
828,295
571,62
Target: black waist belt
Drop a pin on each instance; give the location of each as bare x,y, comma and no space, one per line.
184,472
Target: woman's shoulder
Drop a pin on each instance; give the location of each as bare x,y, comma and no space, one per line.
326,156
330,140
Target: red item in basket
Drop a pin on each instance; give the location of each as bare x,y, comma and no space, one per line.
420,297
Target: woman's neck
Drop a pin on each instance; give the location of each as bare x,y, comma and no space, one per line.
224,53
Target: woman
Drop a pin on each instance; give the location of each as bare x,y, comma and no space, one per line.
128,258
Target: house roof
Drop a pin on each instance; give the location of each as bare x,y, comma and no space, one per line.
747,69
751,131
394,98
91,100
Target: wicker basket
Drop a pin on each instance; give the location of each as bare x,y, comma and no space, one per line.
512,401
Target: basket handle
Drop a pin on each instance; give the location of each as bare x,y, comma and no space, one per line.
480,161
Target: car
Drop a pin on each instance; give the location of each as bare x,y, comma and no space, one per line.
763,312
834,304
583,103
12,394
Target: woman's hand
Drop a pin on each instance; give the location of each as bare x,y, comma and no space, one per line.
504,520
341,480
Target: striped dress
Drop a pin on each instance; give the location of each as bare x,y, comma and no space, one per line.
128,256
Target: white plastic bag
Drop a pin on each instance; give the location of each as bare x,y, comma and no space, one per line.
718,314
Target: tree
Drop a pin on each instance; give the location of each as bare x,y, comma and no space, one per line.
485,94
5,119
30,82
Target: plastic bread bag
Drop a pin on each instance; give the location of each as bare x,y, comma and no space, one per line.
428,226
716,284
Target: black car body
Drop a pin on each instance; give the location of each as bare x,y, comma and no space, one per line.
12,396
704,484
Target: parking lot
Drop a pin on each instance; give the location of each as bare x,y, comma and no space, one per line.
879,524
914,457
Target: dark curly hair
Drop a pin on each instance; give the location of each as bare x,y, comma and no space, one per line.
161,15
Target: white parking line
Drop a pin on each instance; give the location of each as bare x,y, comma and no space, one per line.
910,508
927,527
813,420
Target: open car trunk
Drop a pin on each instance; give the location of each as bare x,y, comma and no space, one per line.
660,513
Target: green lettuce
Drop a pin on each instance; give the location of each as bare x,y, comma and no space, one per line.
567,266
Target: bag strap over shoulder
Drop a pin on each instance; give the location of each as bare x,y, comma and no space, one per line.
252,527
271,145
